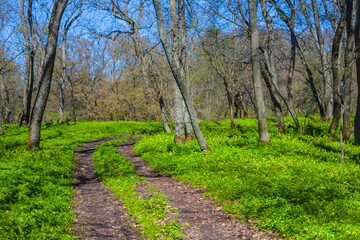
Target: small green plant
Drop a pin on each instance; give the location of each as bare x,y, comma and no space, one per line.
119,175
296,186
36,187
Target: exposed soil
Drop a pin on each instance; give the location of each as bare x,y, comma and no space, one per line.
103,216
205,219
100,214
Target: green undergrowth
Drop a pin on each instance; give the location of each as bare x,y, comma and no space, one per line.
119,175
36,187
295,186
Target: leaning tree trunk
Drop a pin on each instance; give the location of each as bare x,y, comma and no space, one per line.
276,103
357,54
256,77
174,63
46,75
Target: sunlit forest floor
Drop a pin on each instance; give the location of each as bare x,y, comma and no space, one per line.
295,186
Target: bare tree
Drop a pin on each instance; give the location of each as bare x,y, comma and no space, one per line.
75,14
174,63
46,75
317,35
256,75
27,29
335,65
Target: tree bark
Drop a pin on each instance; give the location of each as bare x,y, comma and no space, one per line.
276,104
29,62
1,128
290,75
46,75
179,137
174,63
349,68
328,101
335,65
357,54
256,77
183,61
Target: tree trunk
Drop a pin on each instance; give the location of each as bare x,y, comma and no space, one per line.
349,68
174,63
328,101
1,128
335,65
276,104
256,77
183,61
63,81
357,54
179,136
310,78
46,75
290,75
29,63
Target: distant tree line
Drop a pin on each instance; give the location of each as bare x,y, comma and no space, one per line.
180,61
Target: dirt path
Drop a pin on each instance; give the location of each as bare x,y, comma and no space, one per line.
206,221
100,214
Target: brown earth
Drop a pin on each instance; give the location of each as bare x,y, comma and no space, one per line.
102,216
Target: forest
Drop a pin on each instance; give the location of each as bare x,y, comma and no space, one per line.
217,119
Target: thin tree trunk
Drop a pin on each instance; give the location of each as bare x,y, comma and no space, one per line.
174,64
335,65
349,68
357,54
276,104
290,75
328,101
45,79
183,61
270,64
256,77
63,81
310,78
29,62
1,128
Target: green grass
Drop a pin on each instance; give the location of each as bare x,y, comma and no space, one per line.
295,186
36,187
119,175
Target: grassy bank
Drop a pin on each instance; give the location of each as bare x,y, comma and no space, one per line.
295,186
36,187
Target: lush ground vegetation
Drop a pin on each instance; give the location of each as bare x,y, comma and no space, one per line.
295,186
36,187
118,173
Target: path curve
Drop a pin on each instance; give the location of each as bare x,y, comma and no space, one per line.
100,214
206,221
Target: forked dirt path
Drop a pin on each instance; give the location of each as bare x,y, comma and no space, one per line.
100,214
205,220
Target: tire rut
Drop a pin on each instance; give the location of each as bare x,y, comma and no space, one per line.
205,220
100,214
